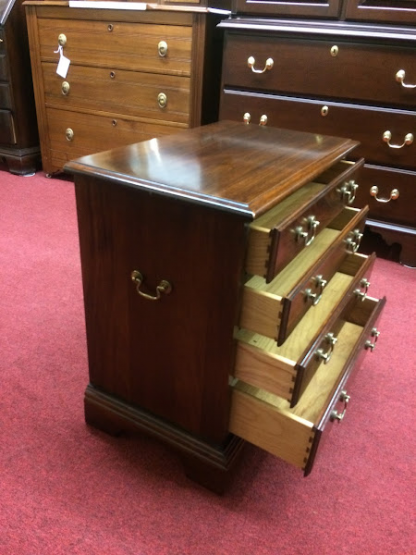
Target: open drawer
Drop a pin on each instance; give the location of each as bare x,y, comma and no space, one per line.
277,236
293,434
273,309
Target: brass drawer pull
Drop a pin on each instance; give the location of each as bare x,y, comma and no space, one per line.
330,339
110,27
348,192
335,415
268,65
162,48
263,120
408,140
69,134
400,77
393,195
372,345
162,100
309,235
247,118
353,241
163,287
65,88
320,284
364,284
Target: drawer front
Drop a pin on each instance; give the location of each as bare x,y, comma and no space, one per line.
146,95
279,235
293,434
274,309
92,134
322,68
370,126
389,193
287,370
304,8
7,130
119,45
5,96
4,67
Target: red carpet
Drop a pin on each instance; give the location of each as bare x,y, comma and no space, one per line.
68,489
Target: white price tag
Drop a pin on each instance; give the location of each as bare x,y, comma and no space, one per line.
63,66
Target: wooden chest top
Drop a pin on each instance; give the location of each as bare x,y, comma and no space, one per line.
232,166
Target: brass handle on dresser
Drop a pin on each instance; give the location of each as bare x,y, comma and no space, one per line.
348,191
268,65
339,416
69,134
408,140
400,77
163,287
65,88
364,284
162,100
393,195
320,283
309,235
372,345
353,241
247,119
62,39
330,339
162,48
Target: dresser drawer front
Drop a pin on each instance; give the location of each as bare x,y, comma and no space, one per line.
145,95
4,68
273,309
91,133
362,123
287,369
7,130
5,96
118,45
293,434
389,193
279,235
321,68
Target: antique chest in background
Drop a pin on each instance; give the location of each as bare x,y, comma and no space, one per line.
225,297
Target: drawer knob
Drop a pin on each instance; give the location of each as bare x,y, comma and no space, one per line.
408,140
348,192
353,241
394,194
65,88
163,287
162,48
400,77
110,27
339,416
69,134
334,51
247,118
324,111
321,354
364,284
162,100
372,344
267,66
263,120
62,39
320,284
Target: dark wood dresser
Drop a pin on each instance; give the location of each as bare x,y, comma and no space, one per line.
19,141
338,67
133,74
225,299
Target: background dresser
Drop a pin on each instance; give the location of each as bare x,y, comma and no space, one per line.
224,296
133,74
19,142
338,67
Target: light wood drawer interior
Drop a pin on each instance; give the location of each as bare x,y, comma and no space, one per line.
274,308
131,46
146,95
268,421
285,370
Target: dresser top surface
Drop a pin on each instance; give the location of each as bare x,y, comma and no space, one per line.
228,165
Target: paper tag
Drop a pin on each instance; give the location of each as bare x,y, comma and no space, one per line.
63,66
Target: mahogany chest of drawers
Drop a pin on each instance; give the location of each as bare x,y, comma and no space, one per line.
19,142
348,78
225,299
132,75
